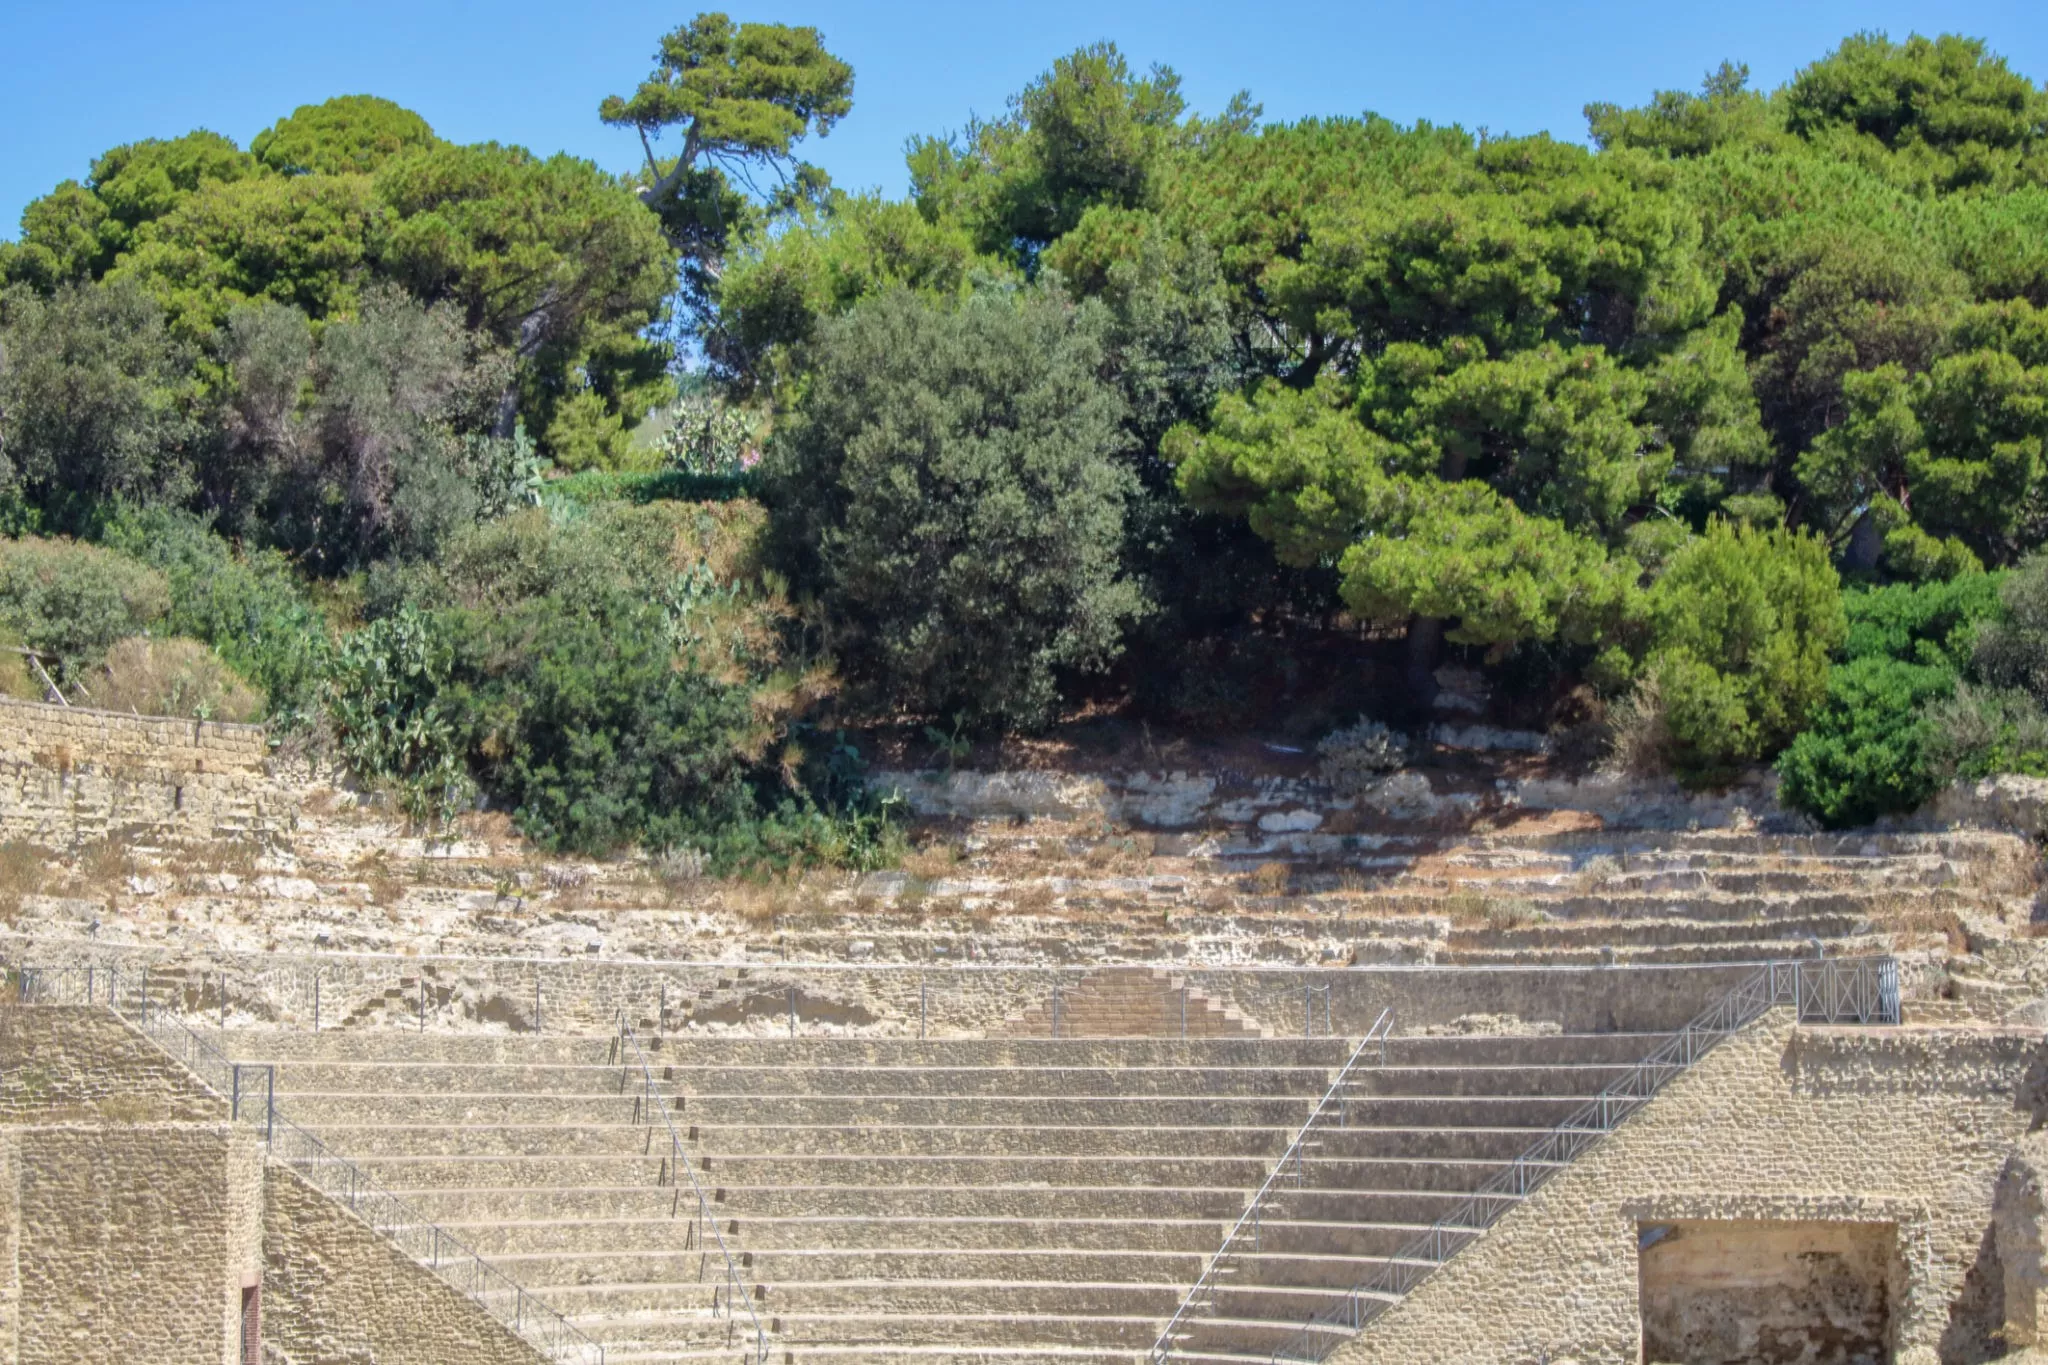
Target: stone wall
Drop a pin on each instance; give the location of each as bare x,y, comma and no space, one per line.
70,775
336,1291
883,1000
63,1063
1905,1129
131,1242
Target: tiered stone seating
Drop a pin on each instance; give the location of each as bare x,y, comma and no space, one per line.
1011,1199
1412,1137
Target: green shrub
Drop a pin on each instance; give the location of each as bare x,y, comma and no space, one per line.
2012,647
950,489
252,608
1872,748
74,600
1984,731
1926,623
610,680
1744,621
593,486
1863,755
396,717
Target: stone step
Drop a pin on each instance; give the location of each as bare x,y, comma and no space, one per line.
401,1173
1178,1111
469,1204
1742,951
1057,1081
1040,1265
1659,932
1367,1082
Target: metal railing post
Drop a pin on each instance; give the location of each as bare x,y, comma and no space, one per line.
316,1000
923,1008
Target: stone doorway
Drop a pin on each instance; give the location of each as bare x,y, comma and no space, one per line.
1741,1292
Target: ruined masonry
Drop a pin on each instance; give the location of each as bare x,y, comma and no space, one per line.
1152,1067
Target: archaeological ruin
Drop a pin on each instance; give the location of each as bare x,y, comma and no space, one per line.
1203,1065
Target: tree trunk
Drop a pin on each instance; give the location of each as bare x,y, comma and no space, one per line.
1865,544
1425,647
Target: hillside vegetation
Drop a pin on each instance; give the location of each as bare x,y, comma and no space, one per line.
630,506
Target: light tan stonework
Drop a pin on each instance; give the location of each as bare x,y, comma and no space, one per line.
133,1215
336,1291
1908,1128
69,775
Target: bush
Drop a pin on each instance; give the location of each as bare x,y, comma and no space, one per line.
595,486
949,488
74,601
252,608
2012,648
701,437
1863,755
172,678
611,679
396,717
1872,748
1744,621
1927,623
1984,731
1353,758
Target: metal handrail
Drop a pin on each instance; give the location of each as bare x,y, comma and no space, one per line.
1863,991
450,1259
1290,1161
649,1103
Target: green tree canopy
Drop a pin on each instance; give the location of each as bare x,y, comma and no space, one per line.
347,135
740,97
950,490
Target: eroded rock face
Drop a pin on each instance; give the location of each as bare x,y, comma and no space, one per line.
2017,1230
2009,802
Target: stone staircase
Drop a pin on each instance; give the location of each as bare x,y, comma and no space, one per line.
1412,1137
891,1200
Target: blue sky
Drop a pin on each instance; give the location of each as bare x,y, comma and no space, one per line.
86,76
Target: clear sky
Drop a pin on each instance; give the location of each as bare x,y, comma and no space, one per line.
84,75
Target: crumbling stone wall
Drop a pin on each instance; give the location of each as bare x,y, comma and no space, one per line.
1775,1293
1908,1130
336,1291
70,775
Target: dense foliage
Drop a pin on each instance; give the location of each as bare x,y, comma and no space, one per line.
610,500
949,468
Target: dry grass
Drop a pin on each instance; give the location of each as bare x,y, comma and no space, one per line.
1478,910
172,678
934,860
103,867
767,903
1034,898
1598,872
1270,879
23,872
1124,853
